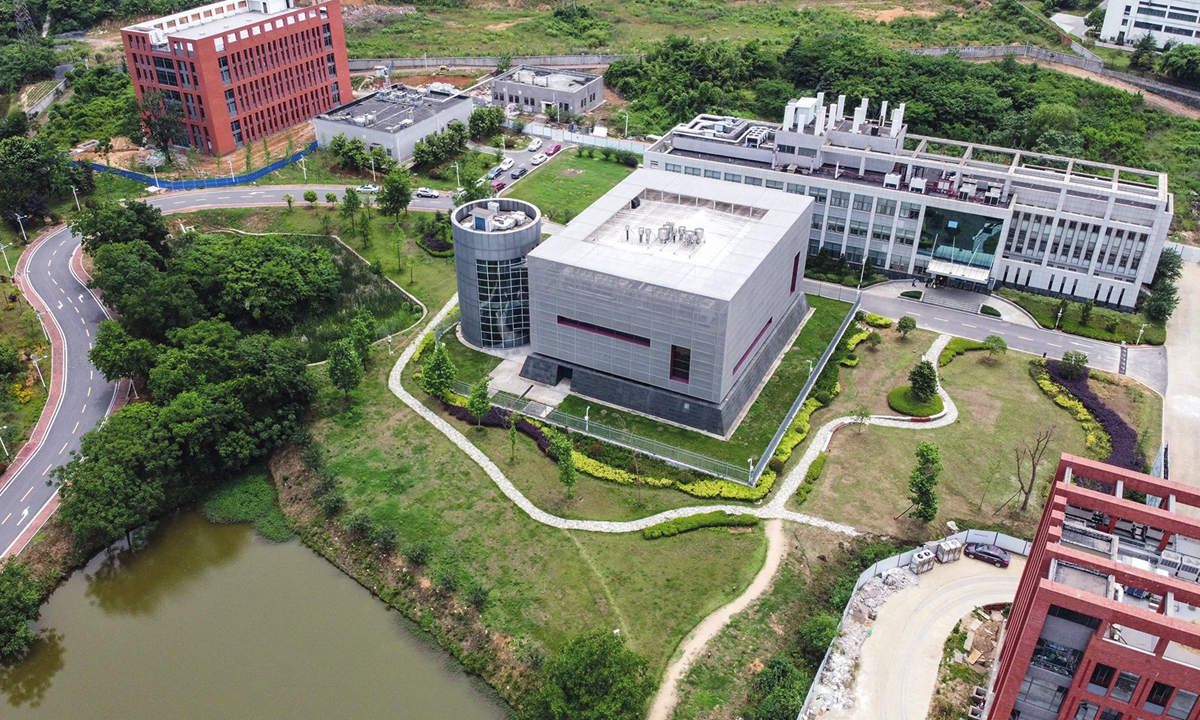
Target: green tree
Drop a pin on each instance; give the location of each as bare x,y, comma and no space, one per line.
514,420
1052,116
995,345
362,334
565,452
118,479
106,222
344,367
478,403
364,230
594,677
396,193
817,633
1181,62
1161,302
291,201
1145,53
163,119
351,202
24,63
10,360
437,374
923,382
20,597
874,340
118,355
331,198
782,686
1073,364
310,197
485,121
906,325
1094,21
1170,262
922,482
1085,312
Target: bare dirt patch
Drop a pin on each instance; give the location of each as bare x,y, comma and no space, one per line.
571,172
418,79
501,27
898,11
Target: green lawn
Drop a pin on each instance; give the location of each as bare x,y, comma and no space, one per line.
547,584
567,184
864,482
431,280
1124,326
627,25
764,416
469,364
319,168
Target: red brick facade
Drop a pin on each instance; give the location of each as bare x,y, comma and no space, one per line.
238,85
1121,670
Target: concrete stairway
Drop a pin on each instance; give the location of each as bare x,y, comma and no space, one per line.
962,300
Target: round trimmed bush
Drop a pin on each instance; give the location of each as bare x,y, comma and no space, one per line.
902,402
989,310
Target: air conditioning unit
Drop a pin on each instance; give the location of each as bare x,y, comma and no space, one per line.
1169,561
158,36
1189,568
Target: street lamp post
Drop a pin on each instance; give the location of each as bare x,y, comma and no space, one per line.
76,194
1141,330
457,177
2,445
304,168
3,248
750,469
231,178
23,235
155,171
587,425
37,367
372,169
810,367
1059,319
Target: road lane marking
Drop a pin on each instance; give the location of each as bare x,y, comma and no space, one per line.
83,321
48,468
6,517
55,282
75,428
1079,344
941,319
915,314
84,409
1054,345
999,332
222,197
1022,337
49,261
91,374
64,447
970,326
27,493
76,309
89,391
89,334
24,514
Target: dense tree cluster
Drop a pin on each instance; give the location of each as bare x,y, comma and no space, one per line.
33,171
24,63
437,149
594,677
351,154
485,121
222,391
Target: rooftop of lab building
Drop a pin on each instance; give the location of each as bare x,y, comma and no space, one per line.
685,233
397,107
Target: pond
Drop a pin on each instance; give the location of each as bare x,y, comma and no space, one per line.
213,621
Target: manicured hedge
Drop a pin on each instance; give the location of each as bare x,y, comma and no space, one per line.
878,321
914,294
957,347
435,253
902,402
810,479
1096,439
695,522
850,360
1125,452
989,310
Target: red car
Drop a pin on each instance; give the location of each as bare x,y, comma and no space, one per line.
554,149
988,554
498,186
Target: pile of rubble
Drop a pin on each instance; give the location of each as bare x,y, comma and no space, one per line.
369,17
834,688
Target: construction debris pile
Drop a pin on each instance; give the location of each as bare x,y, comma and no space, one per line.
369,17
834,688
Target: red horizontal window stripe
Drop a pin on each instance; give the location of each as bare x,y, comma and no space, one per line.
752,345
606,332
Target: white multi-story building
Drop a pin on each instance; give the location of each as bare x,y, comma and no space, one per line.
1177,21
968,215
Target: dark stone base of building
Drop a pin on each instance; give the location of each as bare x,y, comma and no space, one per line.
657,402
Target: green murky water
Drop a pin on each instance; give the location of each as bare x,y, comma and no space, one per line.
210,621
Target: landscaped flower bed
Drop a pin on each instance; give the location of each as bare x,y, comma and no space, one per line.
902,401
1125,451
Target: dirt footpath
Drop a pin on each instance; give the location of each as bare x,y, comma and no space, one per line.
1153,100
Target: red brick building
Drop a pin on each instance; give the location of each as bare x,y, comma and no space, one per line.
242,69
1104,624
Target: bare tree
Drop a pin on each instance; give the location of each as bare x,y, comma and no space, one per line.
1030,457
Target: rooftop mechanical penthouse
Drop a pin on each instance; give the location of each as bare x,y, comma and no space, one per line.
670,295
969,215
242,69
1105,622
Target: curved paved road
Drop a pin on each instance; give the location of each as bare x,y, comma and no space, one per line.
909,632
79,395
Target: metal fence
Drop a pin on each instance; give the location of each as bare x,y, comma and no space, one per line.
206,182
408,63
560,135
1008,542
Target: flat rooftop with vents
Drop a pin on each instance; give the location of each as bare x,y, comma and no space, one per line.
534,88
396,117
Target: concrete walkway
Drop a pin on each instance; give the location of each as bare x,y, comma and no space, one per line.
1181,410
898,666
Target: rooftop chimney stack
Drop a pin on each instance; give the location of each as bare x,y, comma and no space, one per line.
819,126
897,120
833,119
883,113
789,116
841,107
860,116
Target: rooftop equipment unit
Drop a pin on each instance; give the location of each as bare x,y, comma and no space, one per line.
158,36
359,120
949,550
1170,561
406,122
699,235
494,206
922,561
1189,568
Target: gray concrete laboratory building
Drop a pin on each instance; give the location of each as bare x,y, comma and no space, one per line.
670,296
395,118
534,89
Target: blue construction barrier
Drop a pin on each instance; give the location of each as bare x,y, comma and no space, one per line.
207,182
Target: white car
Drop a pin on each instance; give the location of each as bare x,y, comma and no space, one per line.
425,192
537,159
535,145
368,188
505,164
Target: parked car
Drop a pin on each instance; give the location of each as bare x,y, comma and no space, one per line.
499,185
988,554
505,164
554,148
535,145
424,192
537,159
369,188
519,173
494,173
